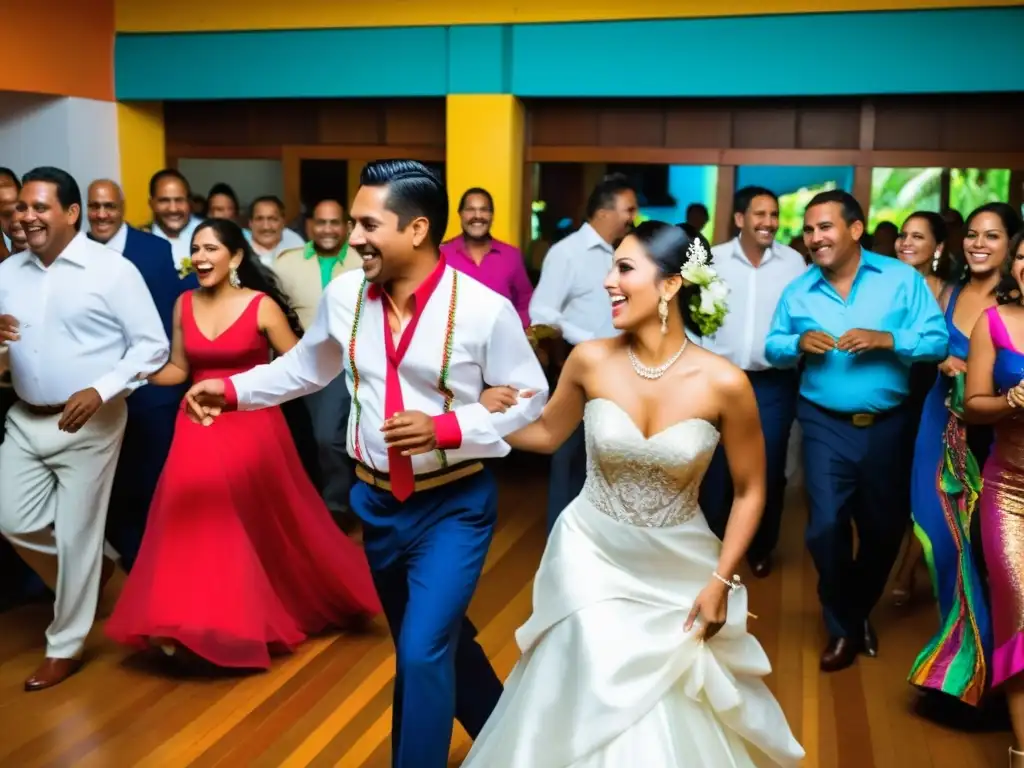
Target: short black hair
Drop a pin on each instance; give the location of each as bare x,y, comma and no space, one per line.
604,194
744,197
266,199
475,191
413,191
68,193
851,210
220,188
8,173
884,226
168,173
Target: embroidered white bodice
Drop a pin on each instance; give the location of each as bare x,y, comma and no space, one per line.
649,482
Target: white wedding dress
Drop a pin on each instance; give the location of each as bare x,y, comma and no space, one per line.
608,678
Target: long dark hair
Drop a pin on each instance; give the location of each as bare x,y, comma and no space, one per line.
667,245
251,272
945,268
1006,291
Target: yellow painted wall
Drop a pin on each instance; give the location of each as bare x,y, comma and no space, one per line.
140,138
210,15
485,149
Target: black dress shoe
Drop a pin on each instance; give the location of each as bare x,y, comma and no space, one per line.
870,640
840,653
762,568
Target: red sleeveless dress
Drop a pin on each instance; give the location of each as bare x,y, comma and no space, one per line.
240,556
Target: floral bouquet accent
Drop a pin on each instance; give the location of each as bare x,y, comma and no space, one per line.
186,268
709,307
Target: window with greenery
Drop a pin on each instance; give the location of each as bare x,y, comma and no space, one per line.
898,192
791,210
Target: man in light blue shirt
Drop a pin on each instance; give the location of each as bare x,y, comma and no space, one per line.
855,322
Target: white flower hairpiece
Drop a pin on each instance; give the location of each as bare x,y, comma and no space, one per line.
709,307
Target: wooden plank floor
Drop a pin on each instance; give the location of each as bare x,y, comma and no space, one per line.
329,704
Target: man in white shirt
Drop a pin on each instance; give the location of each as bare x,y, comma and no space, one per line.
416,341
170,199
571,298
267,233
80,328
756,268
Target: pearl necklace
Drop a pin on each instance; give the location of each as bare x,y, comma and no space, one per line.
646,372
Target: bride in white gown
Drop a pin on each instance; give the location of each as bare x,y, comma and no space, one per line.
637,652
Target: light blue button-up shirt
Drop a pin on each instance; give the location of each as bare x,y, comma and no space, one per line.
887,295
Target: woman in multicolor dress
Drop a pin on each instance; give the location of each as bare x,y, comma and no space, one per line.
947,479
995,395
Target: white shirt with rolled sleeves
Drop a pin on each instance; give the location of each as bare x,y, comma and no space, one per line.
570,294
489,348
87,320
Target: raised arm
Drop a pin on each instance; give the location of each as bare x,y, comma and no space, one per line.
177,370
982,404
563,412
130,302
509,360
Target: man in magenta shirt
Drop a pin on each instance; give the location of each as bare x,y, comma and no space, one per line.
497,265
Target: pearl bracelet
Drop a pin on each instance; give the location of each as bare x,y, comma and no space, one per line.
732,585
1010,402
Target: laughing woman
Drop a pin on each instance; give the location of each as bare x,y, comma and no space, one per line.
240,557
947,479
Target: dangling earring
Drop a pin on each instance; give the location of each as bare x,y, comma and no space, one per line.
935,261
233,278
663,314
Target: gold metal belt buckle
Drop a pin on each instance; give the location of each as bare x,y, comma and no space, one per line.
862,419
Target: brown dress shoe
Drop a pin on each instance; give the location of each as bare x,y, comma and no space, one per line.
840,653
52,672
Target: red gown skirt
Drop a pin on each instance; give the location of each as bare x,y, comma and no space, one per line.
240,556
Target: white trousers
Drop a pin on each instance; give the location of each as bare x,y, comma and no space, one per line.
54,491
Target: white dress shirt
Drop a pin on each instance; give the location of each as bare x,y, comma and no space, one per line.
288,241
119,241
181,246
489,348
754,293
86,321
570,294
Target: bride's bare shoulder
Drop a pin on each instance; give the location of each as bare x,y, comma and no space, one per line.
592,353
727,378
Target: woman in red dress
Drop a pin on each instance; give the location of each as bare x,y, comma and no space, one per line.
240,556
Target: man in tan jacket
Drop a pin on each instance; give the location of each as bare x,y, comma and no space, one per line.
303,274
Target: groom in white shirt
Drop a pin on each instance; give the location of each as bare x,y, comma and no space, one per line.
416,342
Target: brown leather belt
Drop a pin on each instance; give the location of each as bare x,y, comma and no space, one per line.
44,410
423,482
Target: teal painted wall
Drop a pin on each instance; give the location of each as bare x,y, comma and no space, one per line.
764,56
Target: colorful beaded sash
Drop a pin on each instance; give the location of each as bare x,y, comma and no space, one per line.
442,380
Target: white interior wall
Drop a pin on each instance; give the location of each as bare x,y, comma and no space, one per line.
77,135
249,178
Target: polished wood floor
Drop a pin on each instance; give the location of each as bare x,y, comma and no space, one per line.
329,704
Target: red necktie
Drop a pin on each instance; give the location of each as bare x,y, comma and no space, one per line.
399,466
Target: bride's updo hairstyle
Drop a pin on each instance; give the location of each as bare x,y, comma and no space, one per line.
667,245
